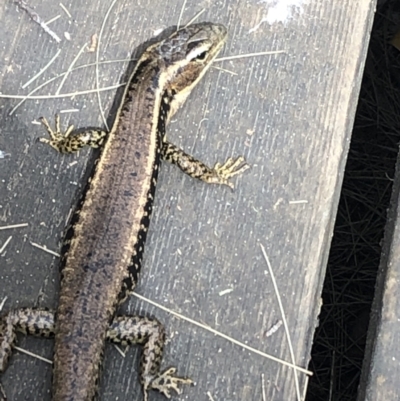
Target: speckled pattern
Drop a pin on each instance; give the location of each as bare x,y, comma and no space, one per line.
104,242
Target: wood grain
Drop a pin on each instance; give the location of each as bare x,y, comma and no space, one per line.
381,368
290,114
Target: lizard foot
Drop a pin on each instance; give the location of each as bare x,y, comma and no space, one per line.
166,381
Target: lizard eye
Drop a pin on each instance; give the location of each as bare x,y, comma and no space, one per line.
197,51
201,56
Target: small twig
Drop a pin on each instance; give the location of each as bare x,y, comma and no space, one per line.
36,18
224,292
298,202
14,226
264,397
273,329
120,350
65,10
51,20
43,248
210,396
2,303
69,111
24,351
5,244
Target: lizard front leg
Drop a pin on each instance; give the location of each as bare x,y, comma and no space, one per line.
71,141
219,174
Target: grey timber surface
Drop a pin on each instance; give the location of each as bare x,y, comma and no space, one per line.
381,367
289,113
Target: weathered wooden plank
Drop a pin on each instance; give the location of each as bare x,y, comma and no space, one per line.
290,114
381,367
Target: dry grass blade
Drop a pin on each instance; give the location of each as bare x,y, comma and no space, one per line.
14,226
24,351
2,303
218,333
51,20
264,397
72,94
28,96
71,66
66,10
239,56
43,248
97,62
180,15
283,316
195,17
210,397
42,70
5,244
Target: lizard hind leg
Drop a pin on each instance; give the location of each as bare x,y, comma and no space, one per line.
149,333
34,321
